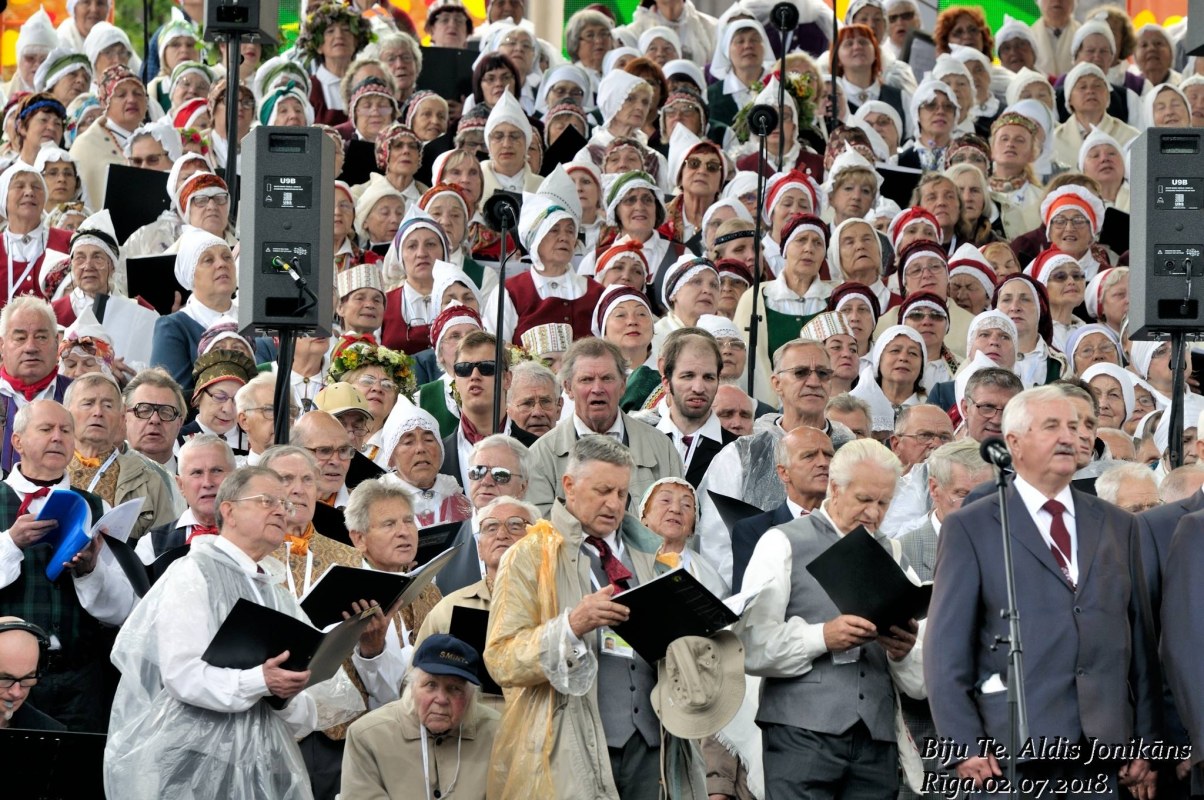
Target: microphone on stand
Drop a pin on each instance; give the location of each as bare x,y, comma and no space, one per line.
784,17
762,119
995,452
501,211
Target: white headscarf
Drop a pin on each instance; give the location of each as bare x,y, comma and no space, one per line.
614,90
559,74
6,178
192,245
556,199
721,64
508,110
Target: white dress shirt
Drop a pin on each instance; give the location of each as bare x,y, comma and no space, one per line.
734,87
146,548
569,286
781,647
105,592
711,429
616,429
203,314
1032,367
1033,499
382,674
784,300
184,633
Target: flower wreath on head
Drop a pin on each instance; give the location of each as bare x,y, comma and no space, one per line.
396,364
321,18
194,136
798,86
514,354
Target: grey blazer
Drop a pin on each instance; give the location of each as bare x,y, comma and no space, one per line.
1090,660
654,454
919,546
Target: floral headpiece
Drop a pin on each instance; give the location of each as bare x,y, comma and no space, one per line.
798,86
325,15
397,365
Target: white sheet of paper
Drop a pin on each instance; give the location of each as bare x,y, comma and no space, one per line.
119,522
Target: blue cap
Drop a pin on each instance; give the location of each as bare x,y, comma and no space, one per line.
443,654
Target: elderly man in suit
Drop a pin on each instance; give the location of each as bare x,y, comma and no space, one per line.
498,466
690,363
29,364
827,711
476,385
205,461
802,457
593,373
1091,669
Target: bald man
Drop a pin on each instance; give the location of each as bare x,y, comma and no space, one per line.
330,443
802,457
20,663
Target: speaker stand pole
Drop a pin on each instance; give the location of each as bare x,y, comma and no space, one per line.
754,319
233,59
499,355
1178,390
284,390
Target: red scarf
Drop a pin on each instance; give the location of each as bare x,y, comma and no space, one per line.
30,390
348,339
470,431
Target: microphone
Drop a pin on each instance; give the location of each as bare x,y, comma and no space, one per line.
995,452
501,210
784,17
763,119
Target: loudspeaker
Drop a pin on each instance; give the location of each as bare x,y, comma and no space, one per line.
253,20
1166,258
286,218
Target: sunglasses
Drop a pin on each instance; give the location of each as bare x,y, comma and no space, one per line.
464,369
710,166
500,475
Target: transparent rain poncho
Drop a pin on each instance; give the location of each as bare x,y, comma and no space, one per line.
160,746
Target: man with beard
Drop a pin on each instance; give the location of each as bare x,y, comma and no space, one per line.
690,362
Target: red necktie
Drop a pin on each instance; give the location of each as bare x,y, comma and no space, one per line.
616,573
41,491
1061,537
201,530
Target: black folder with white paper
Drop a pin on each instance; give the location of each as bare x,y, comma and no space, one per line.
863,580
470,625
340,586
251,634
668,607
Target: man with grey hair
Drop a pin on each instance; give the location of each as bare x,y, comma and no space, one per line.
498,466
919,430
28,364
1133,487
99,466
534,401
746,469
593,374
852,412
92,595
828,728
154,413
205,461
1079,582
735,409
254,402
551,644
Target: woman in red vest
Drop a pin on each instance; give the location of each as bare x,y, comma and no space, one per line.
550,291
409,308
25,241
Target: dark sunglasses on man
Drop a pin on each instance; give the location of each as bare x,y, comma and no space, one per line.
463,369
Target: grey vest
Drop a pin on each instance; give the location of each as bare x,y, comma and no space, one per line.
624,685
830,698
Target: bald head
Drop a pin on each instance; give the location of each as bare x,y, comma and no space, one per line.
735,409
325,437
803,456
19,655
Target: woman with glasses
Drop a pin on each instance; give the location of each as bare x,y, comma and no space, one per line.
218,375
588,37
379,374
699,170
402,57
124,103
1073,217
670,510
493,76
409,306
1091,345
933,114
1023,300
519,45
218,136
894,377
564,83
508,136
372,109
411,452
205,200
1063,278
928,314
178,41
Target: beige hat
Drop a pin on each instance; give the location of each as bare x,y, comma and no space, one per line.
361,276
552,337
700,685
341,397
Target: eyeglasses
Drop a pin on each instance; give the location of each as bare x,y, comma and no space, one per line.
513,137
500,475
920,316
710,166
575,92
988,410
1062,276
732,344
595,36
928,437
464,369
915,270
514,525
803,373
203,201
269,502
28,682
522,44
152,160
267,412
221,398
1105,350
369,382
1069,221
902,16
244,104
494,78
325,453
147,410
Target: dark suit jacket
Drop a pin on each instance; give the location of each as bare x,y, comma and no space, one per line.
942,395
451,453
1184,639
745,535
704,452
465,567
1091,667
426,368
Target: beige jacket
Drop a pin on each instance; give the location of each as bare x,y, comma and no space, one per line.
474,595
137,478
383,756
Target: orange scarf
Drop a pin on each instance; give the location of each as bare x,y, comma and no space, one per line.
85,462
299,545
